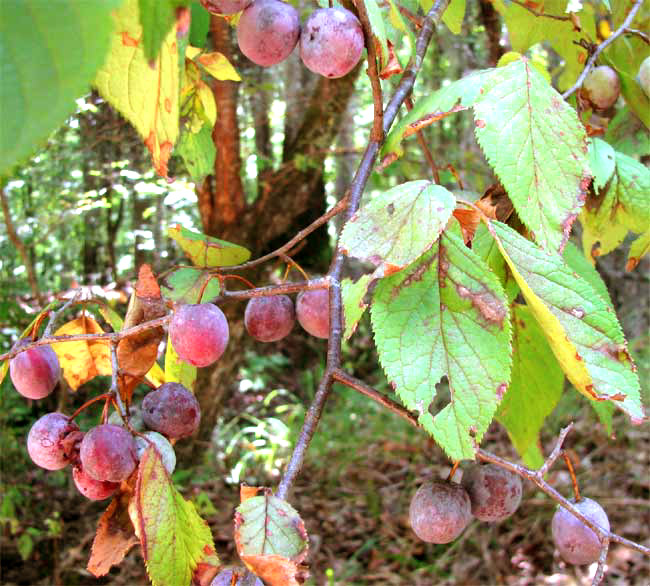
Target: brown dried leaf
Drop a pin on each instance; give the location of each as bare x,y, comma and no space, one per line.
114,538
276,570
137,354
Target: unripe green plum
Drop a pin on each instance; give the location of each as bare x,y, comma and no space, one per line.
162,446
601,87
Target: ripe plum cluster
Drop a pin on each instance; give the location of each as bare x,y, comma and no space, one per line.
440,511
108,454
331,40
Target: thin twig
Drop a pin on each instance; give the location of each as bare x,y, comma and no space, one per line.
424,146
557,450
357,188
377,132
540,13
115,373
606,43
632,31
55,315
602,559
358,385
317,223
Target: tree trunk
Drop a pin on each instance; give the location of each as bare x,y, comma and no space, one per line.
289,198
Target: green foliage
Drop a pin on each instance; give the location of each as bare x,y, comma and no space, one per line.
446,314
205,251
50,53
535,387
398,226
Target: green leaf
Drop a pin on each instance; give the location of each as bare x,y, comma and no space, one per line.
535,387
198,152
112,317
191,286
199,26
49,53
354,306
144,91
446,314
580,326
172,534
455,97
397,226
579,264
177,370
537,146
487,250
526,29
157,17
454,15
602,162
205,251
623,205
268,525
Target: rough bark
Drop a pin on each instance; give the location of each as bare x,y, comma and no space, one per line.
492,23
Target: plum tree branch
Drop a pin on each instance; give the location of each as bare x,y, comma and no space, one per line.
606,43
534,476
357,187
377,132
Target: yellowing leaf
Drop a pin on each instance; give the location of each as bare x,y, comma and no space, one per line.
177,370
81,360
205,251
218,66
145,92
578,323
173,536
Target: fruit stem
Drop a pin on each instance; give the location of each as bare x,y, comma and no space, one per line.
244,280
453,471
89,403
574,480
292,263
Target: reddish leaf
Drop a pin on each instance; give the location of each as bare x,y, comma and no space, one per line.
392,66
207,568
246,492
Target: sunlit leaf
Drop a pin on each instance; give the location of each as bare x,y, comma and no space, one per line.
354,306
177,370
537,146
454,15
445,315
198,152
145,91
397,226
205,251
82,360
188,285
218,66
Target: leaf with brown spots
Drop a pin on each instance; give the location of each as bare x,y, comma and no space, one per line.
271,540
114,538
538,148
80,360
445,315
397,226
145,92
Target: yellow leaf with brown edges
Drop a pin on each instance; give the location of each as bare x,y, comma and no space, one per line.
82,360
144,92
